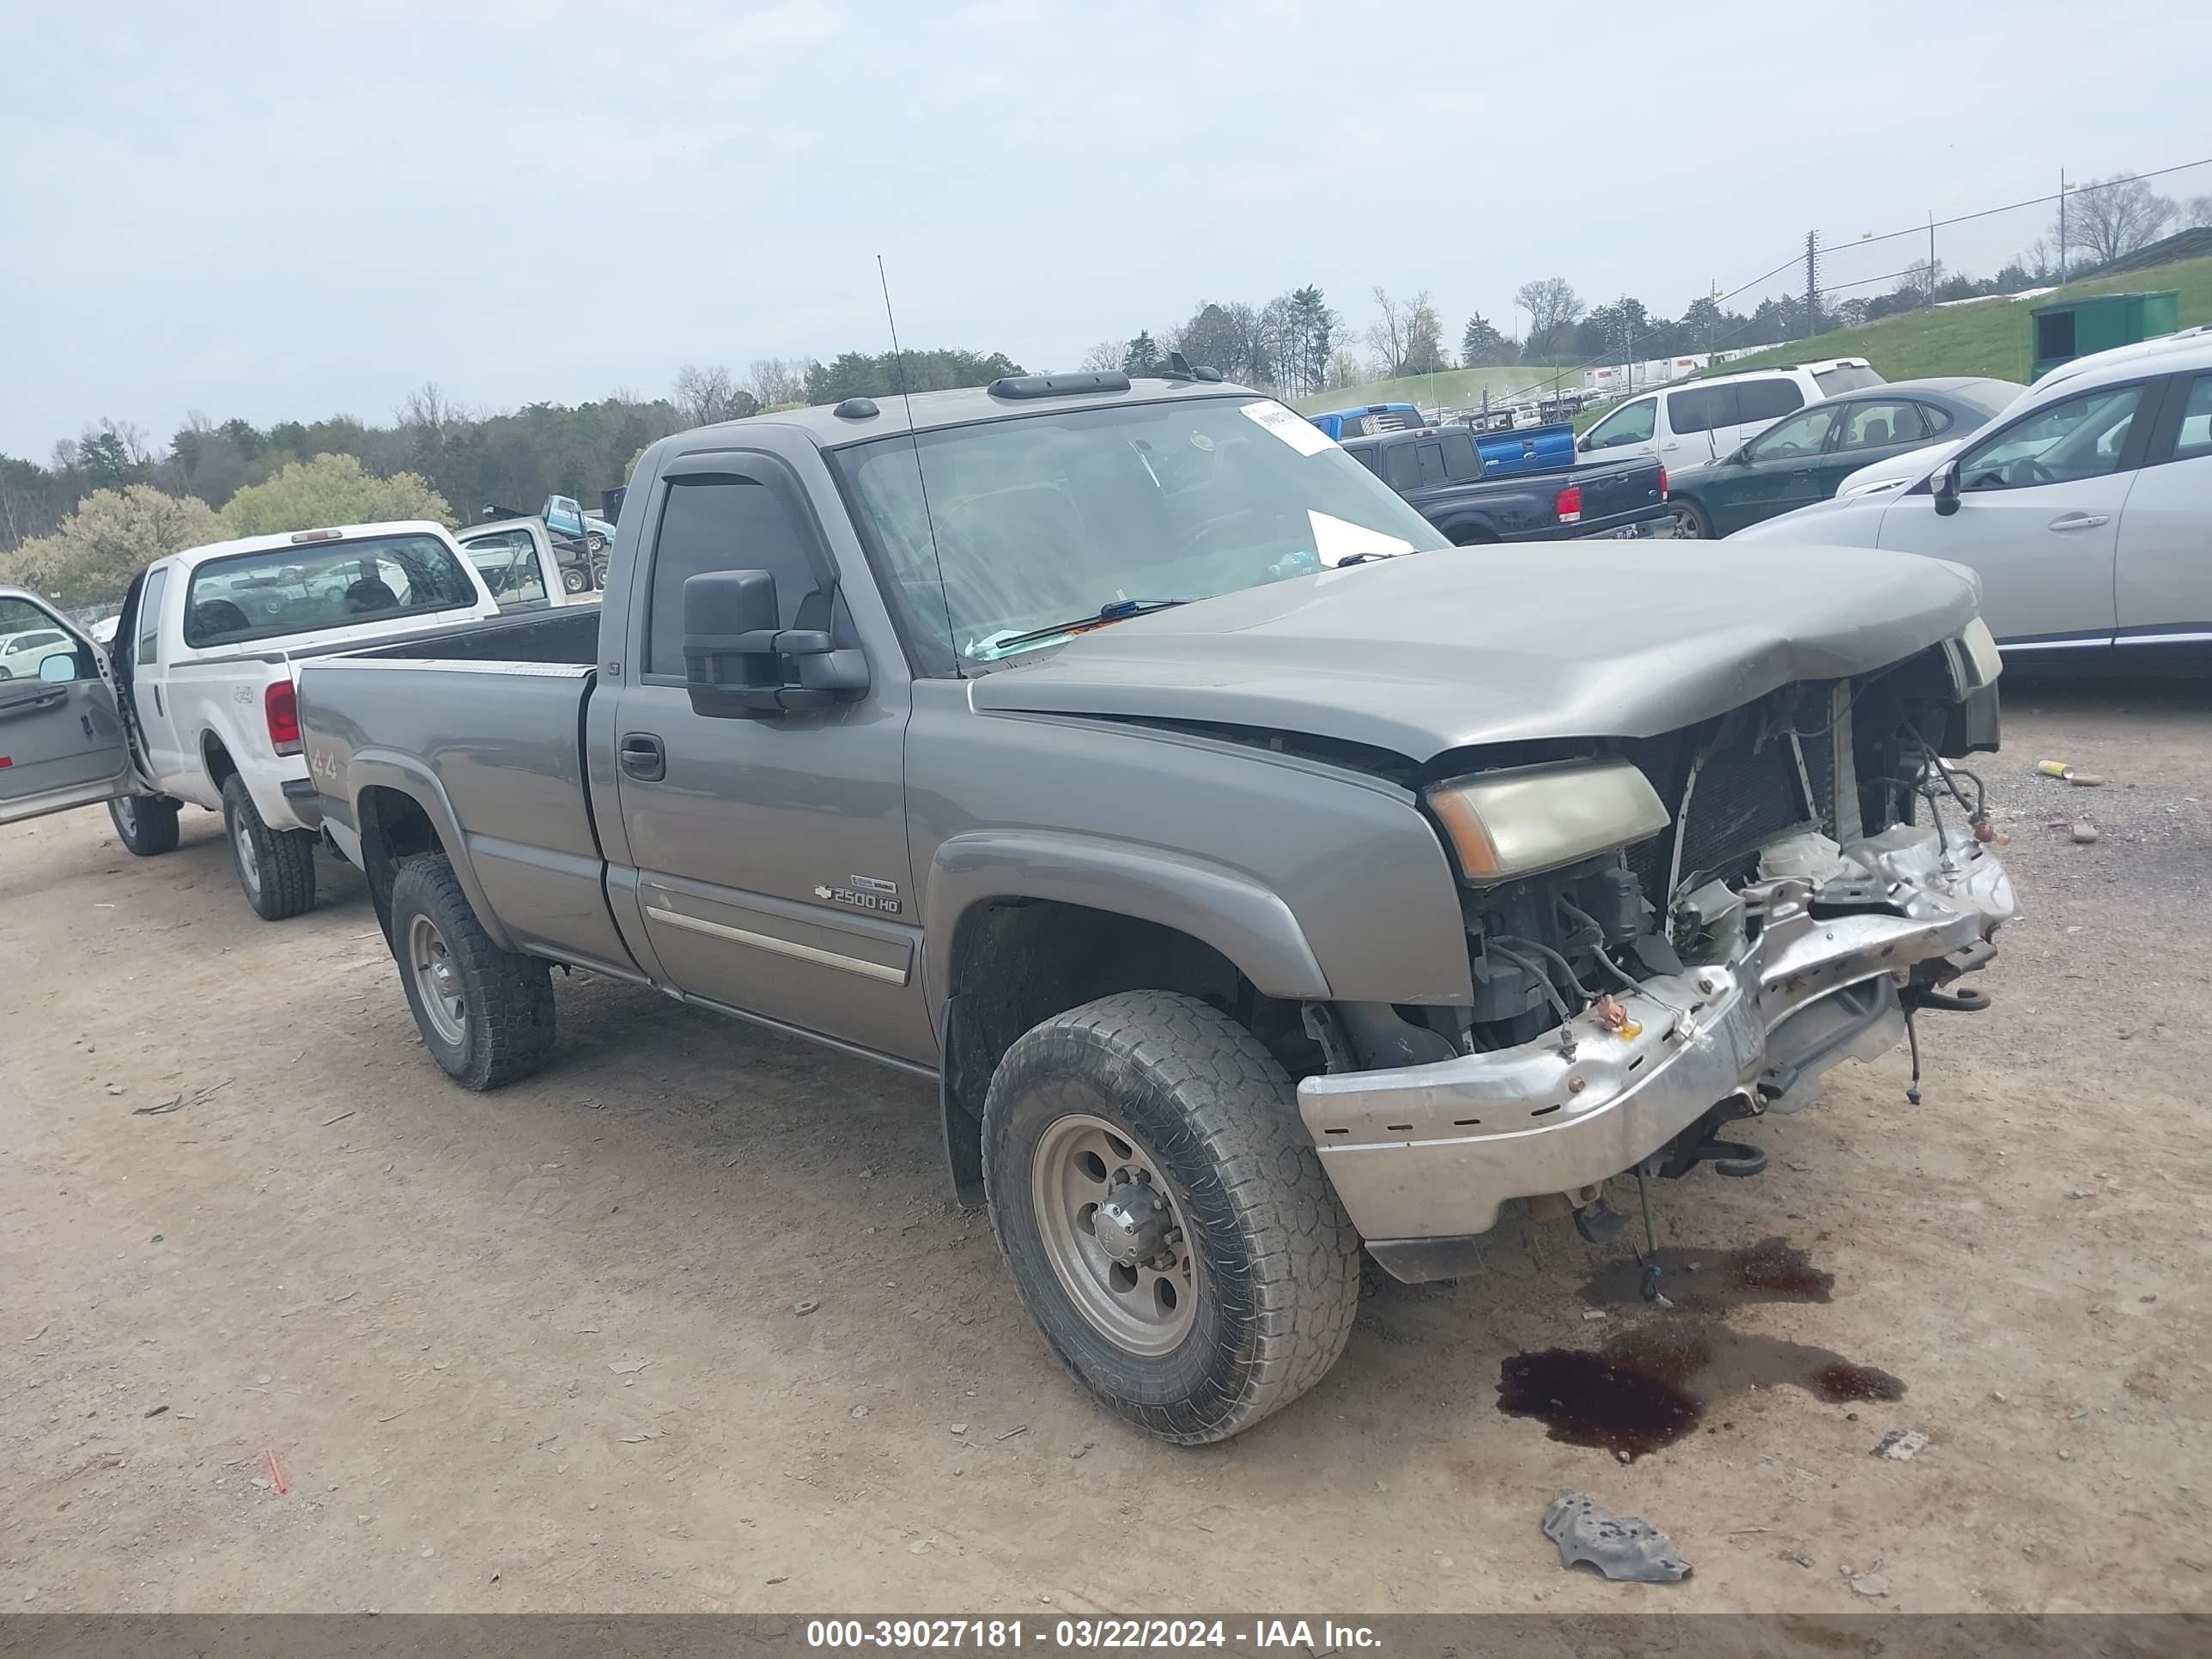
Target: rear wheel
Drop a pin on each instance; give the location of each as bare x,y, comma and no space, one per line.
276,867
147,824
486,1015
574,579
1166,1221
1472,535
1690,522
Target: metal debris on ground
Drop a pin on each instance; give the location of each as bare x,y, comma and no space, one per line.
2086,780
1011,1433
1898,1444
177,1102
1870,1583
627,1367
805,1305
1621,1548
275,1469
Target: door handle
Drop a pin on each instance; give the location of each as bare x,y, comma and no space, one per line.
2080,520
642,756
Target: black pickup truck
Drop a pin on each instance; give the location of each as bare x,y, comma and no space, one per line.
1439,471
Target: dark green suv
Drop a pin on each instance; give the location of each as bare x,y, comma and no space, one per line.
1802,458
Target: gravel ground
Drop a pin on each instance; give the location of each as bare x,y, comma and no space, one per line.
538,1350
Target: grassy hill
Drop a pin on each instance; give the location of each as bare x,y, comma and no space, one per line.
1988,338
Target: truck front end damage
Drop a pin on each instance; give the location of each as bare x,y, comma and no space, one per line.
1664,936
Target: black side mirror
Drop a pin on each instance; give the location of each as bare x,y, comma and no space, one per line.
1944,487
738,664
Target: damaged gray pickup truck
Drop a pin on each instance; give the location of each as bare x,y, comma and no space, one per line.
1261,879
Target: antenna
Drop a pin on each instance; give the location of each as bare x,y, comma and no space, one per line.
898,356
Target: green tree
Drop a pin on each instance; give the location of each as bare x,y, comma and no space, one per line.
331,489
864,374
112,536
1142,356
1481,346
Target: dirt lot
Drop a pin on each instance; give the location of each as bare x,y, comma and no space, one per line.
538,1350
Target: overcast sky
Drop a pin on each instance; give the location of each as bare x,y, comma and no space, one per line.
285,211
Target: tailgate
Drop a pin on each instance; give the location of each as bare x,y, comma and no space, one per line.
1624,487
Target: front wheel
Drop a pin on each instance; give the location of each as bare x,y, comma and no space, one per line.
486,1015
1165,1219
1689,522
146,824
276,867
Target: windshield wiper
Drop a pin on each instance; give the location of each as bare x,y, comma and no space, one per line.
1113,610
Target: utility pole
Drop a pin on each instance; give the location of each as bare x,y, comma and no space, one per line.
1931,256
2062,227
1812,283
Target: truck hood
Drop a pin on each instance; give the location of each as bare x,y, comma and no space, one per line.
1434,652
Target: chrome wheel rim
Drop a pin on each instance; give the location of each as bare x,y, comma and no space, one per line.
126,815
1685,527
249,868
1114,1234
437,981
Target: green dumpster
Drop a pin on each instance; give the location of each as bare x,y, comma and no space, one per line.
2099,323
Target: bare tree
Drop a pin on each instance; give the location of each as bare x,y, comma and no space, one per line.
425,407
2109,219
1345,369
1552,304
1387,334
1106,354
1425,336
776,380
2197,213
704,396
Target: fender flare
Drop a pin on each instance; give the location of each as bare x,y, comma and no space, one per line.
403,774
1247,923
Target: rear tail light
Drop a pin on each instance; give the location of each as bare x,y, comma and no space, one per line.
1662,483
1570,504
280,703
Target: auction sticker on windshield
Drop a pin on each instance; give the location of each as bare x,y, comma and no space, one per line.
1292,428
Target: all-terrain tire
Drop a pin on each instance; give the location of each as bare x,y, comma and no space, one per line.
147,824
505,1028
276,868
1212,1109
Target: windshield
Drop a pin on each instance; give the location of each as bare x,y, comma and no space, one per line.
1046,519
1845,377
302,587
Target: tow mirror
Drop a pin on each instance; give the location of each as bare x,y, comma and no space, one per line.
1944,487
59,669
739,665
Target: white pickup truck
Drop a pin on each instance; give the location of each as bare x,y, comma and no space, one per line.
195,703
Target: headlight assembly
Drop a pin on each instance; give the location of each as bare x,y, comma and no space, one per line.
1515,823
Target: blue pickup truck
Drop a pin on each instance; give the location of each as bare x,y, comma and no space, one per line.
1521,486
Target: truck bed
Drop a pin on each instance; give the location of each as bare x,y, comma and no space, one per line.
495,713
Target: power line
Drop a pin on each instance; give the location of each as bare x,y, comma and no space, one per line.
2014,206
1797,259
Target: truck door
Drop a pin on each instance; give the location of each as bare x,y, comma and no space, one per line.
61,740
769,855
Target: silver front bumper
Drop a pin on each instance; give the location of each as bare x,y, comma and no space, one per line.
1432,1151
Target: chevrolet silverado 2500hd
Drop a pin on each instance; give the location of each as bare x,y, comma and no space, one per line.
1253,894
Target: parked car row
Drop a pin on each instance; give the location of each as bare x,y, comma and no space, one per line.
2084,507
1261,878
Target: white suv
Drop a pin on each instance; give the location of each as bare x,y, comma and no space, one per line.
1704,420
